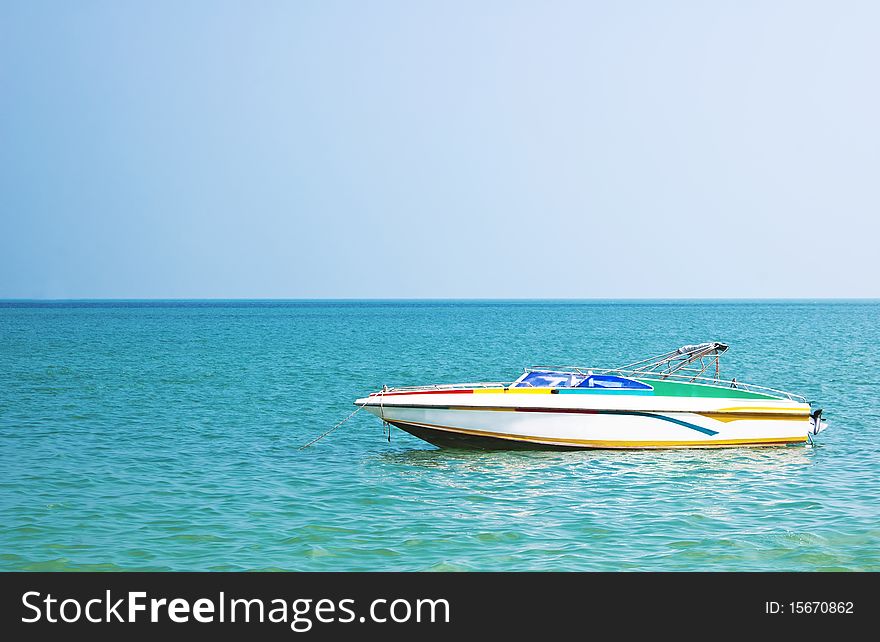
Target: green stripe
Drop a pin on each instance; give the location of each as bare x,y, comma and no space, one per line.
686,424
681,389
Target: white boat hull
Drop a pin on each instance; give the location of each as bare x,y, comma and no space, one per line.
579,421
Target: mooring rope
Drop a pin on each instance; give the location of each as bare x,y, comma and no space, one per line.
359,408
339,425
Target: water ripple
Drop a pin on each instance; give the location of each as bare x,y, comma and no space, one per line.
164,438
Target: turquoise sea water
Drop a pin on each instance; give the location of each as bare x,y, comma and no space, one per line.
164,436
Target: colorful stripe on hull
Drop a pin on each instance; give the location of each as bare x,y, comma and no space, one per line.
446,435
724,415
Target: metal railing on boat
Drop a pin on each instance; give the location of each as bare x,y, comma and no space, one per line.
451,386
641,376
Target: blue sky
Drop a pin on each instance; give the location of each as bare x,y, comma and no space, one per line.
439,149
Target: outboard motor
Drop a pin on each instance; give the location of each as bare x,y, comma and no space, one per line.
817,425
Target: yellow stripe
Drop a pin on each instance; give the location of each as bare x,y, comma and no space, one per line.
754,416
754,413
614,444
800,411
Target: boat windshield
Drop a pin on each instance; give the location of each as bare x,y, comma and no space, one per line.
549,379
612,382
557,379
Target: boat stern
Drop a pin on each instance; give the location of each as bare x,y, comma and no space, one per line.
817,424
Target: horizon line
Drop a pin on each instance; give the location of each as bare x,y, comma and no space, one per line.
336,299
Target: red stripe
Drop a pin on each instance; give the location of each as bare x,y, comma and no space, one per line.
422,392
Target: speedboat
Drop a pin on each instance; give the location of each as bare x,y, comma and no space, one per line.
674,400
